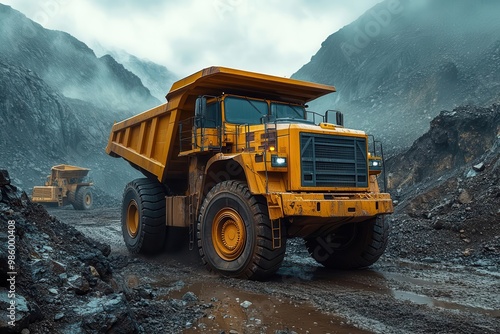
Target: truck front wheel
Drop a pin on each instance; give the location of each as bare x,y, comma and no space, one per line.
235,235
143,216
82,199
351,246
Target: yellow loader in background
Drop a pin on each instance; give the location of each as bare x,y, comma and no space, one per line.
65,185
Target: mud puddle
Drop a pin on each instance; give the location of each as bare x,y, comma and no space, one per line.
420,285
246,312
432,302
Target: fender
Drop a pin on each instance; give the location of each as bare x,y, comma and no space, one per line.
223,167
240,167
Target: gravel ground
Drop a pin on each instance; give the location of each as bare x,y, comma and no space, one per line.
396,295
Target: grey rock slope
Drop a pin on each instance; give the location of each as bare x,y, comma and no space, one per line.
68,65
41,128
402,62
447,186
58,102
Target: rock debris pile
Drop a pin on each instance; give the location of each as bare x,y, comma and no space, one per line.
447,189
68,283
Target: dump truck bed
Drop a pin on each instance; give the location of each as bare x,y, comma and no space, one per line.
69,172
149,141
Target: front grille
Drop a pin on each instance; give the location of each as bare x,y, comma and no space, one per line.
42,192
333,161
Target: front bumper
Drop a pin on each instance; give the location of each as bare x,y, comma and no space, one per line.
330,205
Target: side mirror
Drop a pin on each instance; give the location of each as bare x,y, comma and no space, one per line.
339,117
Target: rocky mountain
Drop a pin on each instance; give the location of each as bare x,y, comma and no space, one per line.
68,65
58,102
157,78
404,61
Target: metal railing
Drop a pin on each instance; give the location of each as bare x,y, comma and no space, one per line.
376,147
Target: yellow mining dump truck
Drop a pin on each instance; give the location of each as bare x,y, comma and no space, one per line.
236,159
65,185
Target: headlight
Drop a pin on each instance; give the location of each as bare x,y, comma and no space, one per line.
375,165
277,161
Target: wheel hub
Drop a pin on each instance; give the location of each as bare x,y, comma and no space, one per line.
88,200
228,234
132,219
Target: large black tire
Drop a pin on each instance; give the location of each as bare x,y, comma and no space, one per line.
72,197
234,233
352,246
143,216
83,199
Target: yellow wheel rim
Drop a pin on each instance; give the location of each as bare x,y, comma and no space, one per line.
88,200
132,218
228,234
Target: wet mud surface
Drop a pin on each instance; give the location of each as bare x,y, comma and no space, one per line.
393,296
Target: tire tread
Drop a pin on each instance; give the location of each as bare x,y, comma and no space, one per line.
151,195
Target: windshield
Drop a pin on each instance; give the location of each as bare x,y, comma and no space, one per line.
281,111
244,111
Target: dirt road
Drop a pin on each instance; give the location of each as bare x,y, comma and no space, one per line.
393,296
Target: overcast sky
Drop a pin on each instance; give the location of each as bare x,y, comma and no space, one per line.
269,36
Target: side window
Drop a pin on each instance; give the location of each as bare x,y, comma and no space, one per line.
212,117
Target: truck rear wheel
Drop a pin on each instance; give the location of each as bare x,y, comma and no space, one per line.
72,197
351,246
143,216
83,199
235,236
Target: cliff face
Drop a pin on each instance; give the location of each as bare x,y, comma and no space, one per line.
58,102
41,128
404,61
463,137
32,113
447,190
